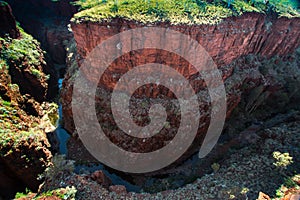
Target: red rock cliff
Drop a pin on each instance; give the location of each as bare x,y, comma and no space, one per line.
234,37
226,42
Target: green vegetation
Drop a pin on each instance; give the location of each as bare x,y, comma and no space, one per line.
285,8
2,64
3,3
12,127
6,103
67,193
290,185
179,12
24,53
282,159
16,126
36,73
22,194
24,49
14,130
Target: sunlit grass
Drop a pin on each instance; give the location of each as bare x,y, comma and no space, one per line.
178,12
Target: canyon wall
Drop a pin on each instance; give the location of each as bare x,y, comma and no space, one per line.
27,82
251,33
47,21
237,45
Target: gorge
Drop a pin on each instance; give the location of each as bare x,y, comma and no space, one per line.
257,55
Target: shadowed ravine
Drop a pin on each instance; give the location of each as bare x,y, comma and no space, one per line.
257,54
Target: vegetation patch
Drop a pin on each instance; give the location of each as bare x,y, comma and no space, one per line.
24,58
291,186
23,120
67,193
13,129
24,49
179,12
3,3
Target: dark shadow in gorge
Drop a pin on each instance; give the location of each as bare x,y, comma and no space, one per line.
47,21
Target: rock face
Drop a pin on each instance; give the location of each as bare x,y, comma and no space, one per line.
24,147
101,178
230,40
26,83
44,80
250,33
7,21
50,27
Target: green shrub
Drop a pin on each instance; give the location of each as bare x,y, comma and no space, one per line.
282,159
241,7
20,195
289,183
285,8
6,103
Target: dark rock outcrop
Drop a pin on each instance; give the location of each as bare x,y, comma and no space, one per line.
47,22
7,22
101,178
